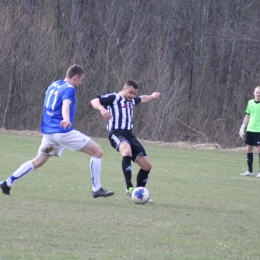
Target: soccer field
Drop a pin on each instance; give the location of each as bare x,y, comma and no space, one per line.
203,209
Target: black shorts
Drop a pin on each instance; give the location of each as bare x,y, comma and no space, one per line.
119,136
252,138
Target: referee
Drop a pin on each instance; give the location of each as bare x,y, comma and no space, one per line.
251,123
118,109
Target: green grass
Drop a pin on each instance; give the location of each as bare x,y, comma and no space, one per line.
203,209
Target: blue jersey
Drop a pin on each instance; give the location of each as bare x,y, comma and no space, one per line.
52,110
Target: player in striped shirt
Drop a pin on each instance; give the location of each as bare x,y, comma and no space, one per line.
251,123
117,109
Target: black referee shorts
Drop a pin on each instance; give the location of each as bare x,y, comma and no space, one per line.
252,138
120,136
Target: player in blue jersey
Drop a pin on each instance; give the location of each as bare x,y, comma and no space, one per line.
251,124
117,110
59,134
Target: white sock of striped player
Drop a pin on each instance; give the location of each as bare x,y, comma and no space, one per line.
21,171
95,169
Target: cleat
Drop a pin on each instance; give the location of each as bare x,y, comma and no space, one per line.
247,173
102,193
129,191
5,189
258,175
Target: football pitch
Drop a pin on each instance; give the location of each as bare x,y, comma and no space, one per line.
203,209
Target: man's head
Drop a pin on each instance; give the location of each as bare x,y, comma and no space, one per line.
257,93
75,75
129,90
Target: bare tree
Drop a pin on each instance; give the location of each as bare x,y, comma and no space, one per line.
201,55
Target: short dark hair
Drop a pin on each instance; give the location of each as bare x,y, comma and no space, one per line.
74,70
132,83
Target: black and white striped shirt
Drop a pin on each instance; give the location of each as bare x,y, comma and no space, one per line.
120,109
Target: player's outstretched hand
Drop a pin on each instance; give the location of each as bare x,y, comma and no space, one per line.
156,95
242,131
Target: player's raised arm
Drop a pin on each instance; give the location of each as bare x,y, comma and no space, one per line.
153,96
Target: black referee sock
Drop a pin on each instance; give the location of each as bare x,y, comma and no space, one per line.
142,178
127,170
259,161
250,162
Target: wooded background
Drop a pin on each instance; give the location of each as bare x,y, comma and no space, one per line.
203,56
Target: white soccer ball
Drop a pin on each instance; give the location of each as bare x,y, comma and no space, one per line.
140,195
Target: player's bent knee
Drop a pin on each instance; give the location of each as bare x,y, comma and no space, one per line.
147,167
126,153
98,153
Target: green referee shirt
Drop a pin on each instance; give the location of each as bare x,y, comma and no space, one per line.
253,109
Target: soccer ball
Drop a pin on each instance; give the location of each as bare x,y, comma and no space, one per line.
140,195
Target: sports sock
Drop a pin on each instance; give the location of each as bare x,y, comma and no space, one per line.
127,170
21,171
259,161
250,162
95,170
142,178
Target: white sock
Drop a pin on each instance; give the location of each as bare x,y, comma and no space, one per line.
95,169
21,171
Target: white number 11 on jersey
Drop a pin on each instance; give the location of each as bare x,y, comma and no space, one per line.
52,93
